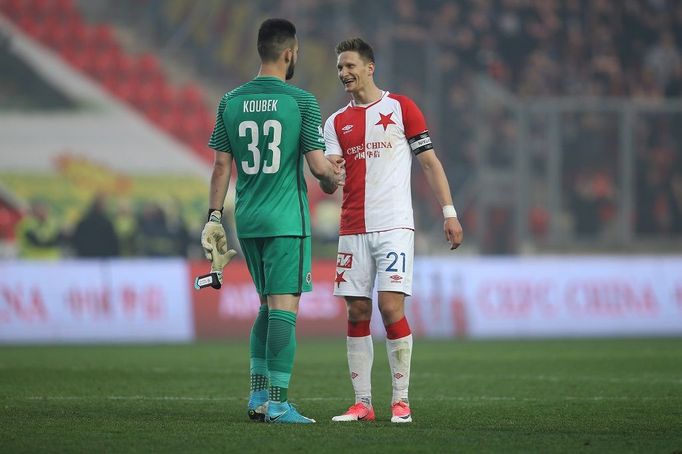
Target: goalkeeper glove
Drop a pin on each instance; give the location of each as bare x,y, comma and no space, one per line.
215,277
213,235
221,257
214,242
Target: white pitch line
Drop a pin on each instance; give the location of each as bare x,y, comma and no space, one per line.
553,379
415,375
542,399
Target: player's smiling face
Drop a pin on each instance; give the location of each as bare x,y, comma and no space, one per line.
353,71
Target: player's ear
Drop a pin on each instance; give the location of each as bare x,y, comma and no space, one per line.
370,68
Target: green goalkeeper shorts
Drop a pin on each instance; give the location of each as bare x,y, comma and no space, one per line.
279,265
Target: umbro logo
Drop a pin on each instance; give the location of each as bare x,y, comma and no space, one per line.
353,375
346,129
398,375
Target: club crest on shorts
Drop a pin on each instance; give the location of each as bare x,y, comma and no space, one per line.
344,260
308,278
339,279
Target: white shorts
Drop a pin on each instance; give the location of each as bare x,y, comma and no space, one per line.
388,255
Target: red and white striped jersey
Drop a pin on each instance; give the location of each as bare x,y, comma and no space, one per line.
373,140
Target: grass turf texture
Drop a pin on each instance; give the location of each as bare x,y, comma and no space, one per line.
493,396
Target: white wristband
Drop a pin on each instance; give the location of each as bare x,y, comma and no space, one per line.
449,211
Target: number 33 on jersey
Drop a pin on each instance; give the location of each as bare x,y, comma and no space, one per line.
267,126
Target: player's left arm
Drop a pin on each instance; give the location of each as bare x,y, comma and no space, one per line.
438,181
417,135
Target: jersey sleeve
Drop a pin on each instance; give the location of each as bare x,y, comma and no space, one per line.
219,140
311,125
413,118
331,140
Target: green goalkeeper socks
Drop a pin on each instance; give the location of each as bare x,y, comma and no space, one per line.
258,340
280,352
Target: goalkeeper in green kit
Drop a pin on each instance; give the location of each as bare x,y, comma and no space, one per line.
268,128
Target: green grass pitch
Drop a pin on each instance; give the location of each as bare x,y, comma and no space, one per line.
487,396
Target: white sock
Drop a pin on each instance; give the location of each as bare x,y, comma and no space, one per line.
360,357
399,358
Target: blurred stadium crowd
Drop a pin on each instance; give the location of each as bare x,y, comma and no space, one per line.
433,51
101,232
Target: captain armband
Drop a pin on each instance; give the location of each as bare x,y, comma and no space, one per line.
420,143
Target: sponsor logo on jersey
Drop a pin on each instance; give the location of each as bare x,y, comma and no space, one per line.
344,260
395,279
378,145
355,149
346,129
368,150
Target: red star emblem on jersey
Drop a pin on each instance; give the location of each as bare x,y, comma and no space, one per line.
385,120
339,278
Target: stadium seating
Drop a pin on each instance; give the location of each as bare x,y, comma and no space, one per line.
138,80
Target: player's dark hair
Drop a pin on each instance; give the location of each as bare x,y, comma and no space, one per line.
356,45
274,36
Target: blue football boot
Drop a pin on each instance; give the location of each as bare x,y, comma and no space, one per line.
258,405
285,413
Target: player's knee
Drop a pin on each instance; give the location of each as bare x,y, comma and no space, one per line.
391,310
359,310
392,314
359,313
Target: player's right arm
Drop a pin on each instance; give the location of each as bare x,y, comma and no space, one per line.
220,180
313,143
213,236
332,151
222,166
331,175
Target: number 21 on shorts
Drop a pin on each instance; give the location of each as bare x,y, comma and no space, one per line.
395,257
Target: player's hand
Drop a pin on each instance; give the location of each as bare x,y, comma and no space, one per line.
213,238
330,183
339,170
221,258
453,232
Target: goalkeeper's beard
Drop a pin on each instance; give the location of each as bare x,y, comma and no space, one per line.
290,71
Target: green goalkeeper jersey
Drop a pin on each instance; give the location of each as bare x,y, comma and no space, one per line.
267,126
